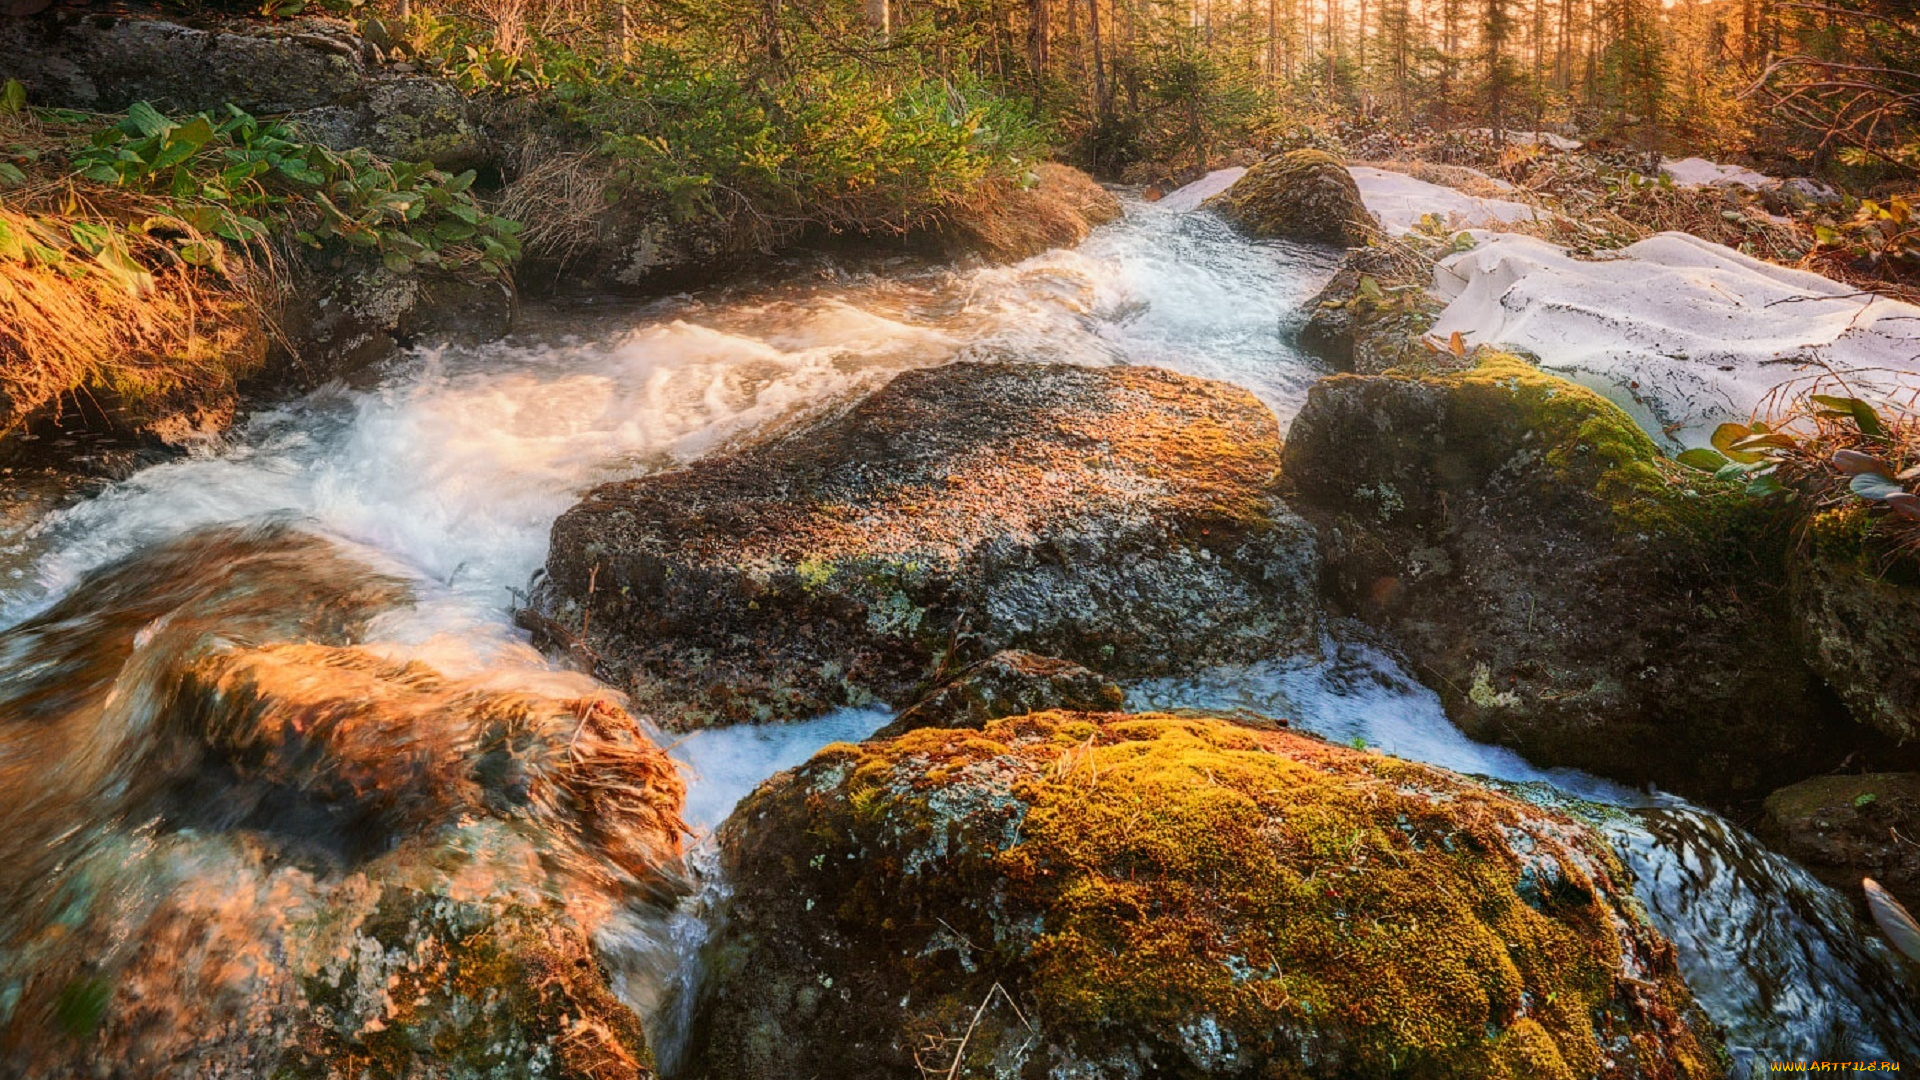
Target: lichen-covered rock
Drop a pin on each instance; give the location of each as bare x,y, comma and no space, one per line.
1008,683
1858,615
302,859
1845,827
1301,195
1007,223
1123,518
106,62
343,314
1565,589
405,119
1079,895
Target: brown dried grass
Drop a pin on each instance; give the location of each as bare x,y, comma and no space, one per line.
155,341
557,196
1008,224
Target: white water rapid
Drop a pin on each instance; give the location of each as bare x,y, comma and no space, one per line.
450,469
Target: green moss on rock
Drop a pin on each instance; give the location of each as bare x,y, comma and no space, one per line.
1302,195
1177,896
1568,590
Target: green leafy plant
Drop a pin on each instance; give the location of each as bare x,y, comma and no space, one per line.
1884,233
227,175
1849,452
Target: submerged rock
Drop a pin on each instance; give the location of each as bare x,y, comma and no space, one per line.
1008,223
1565,589
302,859
1008,683
1846,827
1301,195
1070,894
1122,518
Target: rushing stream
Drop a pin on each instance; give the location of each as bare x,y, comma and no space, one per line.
448,473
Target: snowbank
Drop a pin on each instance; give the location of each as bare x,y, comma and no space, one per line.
1192,195
1699,172
1400,201
1681,332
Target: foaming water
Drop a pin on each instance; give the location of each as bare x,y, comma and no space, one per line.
724,764
453,468
446,475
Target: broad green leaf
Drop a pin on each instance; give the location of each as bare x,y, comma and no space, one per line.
1774,439
91,238
1733,471
1874,486
121,267
146,120
1864,417
184,142
1764,485
10,175
1703,459
13,96
1727,435
200,253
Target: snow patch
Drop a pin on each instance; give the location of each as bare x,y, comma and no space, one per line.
1400,201
1699,172
1192,195
1682,333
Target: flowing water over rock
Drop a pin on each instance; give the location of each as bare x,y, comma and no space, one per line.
444,478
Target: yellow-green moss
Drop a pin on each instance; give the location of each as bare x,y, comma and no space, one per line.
1184,871
1505,407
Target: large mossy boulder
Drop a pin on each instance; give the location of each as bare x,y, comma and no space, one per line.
1075,894
1301,195
298,858
1848,826
1122,518
1857,609
1567,590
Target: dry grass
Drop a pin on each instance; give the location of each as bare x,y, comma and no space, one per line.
557,197
96,301
1009,224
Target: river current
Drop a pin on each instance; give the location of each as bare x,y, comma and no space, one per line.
448,468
